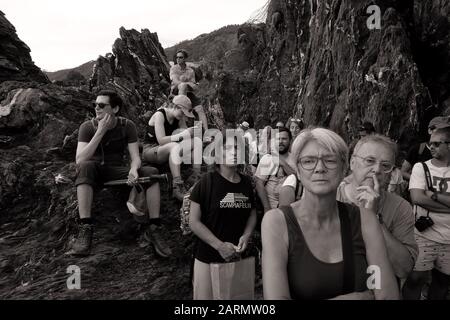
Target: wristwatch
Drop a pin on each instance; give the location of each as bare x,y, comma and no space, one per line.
434,196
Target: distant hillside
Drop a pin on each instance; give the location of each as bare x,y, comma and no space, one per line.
209,46
85,70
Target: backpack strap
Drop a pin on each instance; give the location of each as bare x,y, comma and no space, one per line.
347,249
429,185
428,177
94,123
297,189
257,150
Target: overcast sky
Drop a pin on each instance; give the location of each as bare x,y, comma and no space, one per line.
66,33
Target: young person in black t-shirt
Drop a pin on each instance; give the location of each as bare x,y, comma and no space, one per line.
226,224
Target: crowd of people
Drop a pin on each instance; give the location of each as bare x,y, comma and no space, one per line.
336,221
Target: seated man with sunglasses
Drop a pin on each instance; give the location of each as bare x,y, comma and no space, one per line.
371,164
102,144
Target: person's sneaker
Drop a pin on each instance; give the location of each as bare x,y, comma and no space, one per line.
178,191
155,236
82,244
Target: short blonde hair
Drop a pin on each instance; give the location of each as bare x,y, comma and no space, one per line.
326,138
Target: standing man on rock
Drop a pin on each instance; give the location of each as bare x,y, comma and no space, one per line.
102,143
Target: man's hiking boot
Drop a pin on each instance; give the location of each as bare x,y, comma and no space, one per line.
155,235
82,244
178,191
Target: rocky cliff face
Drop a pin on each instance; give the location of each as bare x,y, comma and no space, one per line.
137,68
15,60
320,61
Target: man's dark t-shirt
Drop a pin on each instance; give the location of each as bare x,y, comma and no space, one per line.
227,214
413,154
113,146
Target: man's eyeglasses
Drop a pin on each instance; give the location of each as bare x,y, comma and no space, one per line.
436,144
180,57
100,105
310,163
386,166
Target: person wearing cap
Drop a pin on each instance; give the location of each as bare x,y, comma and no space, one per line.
161,144
245,126
420,151
102,144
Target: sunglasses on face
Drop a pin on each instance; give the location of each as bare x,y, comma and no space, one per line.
100,105
180,57
436,144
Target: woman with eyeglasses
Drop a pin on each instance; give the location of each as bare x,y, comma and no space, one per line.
167,128
314,248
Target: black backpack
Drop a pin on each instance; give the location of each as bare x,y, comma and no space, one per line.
205,188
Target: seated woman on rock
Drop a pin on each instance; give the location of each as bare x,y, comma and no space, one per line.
319,248
162,142
183,82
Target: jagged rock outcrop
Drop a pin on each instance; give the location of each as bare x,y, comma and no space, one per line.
431,49
137,67
15,59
